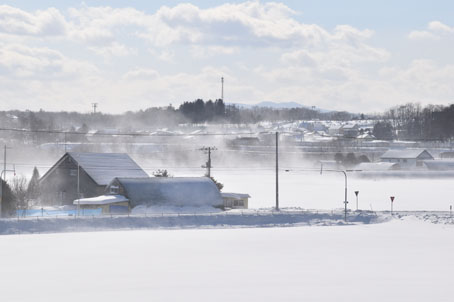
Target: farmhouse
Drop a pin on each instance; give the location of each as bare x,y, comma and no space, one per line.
350,130
166,191
408,158
80,175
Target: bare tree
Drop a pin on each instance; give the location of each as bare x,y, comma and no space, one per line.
19,188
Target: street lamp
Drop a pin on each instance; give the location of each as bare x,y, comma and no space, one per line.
345,175
345,186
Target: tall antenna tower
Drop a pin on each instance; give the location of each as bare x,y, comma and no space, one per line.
222,89
94,105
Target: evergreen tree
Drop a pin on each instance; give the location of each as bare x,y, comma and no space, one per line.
33,185
8,201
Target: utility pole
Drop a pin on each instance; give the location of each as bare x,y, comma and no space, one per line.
94,105
208,163
222,89
277,171
78,189
345,202
2,178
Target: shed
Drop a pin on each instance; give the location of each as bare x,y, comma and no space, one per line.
380,166
236,200
407,158
86,173
117,204
171,191
440,165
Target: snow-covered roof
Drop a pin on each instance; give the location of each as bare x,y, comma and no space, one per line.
380,166
366,136
235,195
175,191
100,200
335,127
440,165
103,167
350,126
407,153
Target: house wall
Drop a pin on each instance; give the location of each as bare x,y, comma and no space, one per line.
60,186
106,207
405,162
235,203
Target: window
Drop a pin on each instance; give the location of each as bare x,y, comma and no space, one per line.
114,189
238,203
72,172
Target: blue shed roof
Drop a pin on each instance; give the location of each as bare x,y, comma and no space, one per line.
174,191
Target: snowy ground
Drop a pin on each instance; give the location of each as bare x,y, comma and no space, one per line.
311,190
405,259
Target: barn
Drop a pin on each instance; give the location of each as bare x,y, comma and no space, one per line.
167,191
408,158
81,175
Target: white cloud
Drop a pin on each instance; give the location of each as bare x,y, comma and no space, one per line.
114,55
49,22
435,30
142,74
43,63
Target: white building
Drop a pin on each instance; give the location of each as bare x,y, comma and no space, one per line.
407,158
235,200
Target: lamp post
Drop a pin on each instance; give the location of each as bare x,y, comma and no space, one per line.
345,201
345,186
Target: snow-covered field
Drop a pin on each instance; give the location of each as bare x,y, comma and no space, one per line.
404,259
312,190
247,256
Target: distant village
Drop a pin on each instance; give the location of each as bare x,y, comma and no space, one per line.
93,172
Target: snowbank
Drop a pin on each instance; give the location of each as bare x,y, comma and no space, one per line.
233,219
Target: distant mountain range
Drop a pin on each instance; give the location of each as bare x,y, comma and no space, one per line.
280,105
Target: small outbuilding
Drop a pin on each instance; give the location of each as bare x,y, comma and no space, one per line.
379,166
109,204
235,200
440,165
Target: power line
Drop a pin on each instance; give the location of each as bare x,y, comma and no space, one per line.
124,133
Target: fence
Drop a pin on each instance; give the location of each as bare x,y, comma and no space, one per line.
56,213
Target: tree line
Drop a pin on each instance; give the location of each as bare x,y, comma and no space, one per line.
414,122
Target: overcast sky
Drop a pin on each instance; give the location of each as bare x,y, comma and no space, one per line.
130,55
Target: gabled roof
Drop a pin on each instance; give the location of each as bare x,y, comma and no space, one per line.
407,154
103,167
175,191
